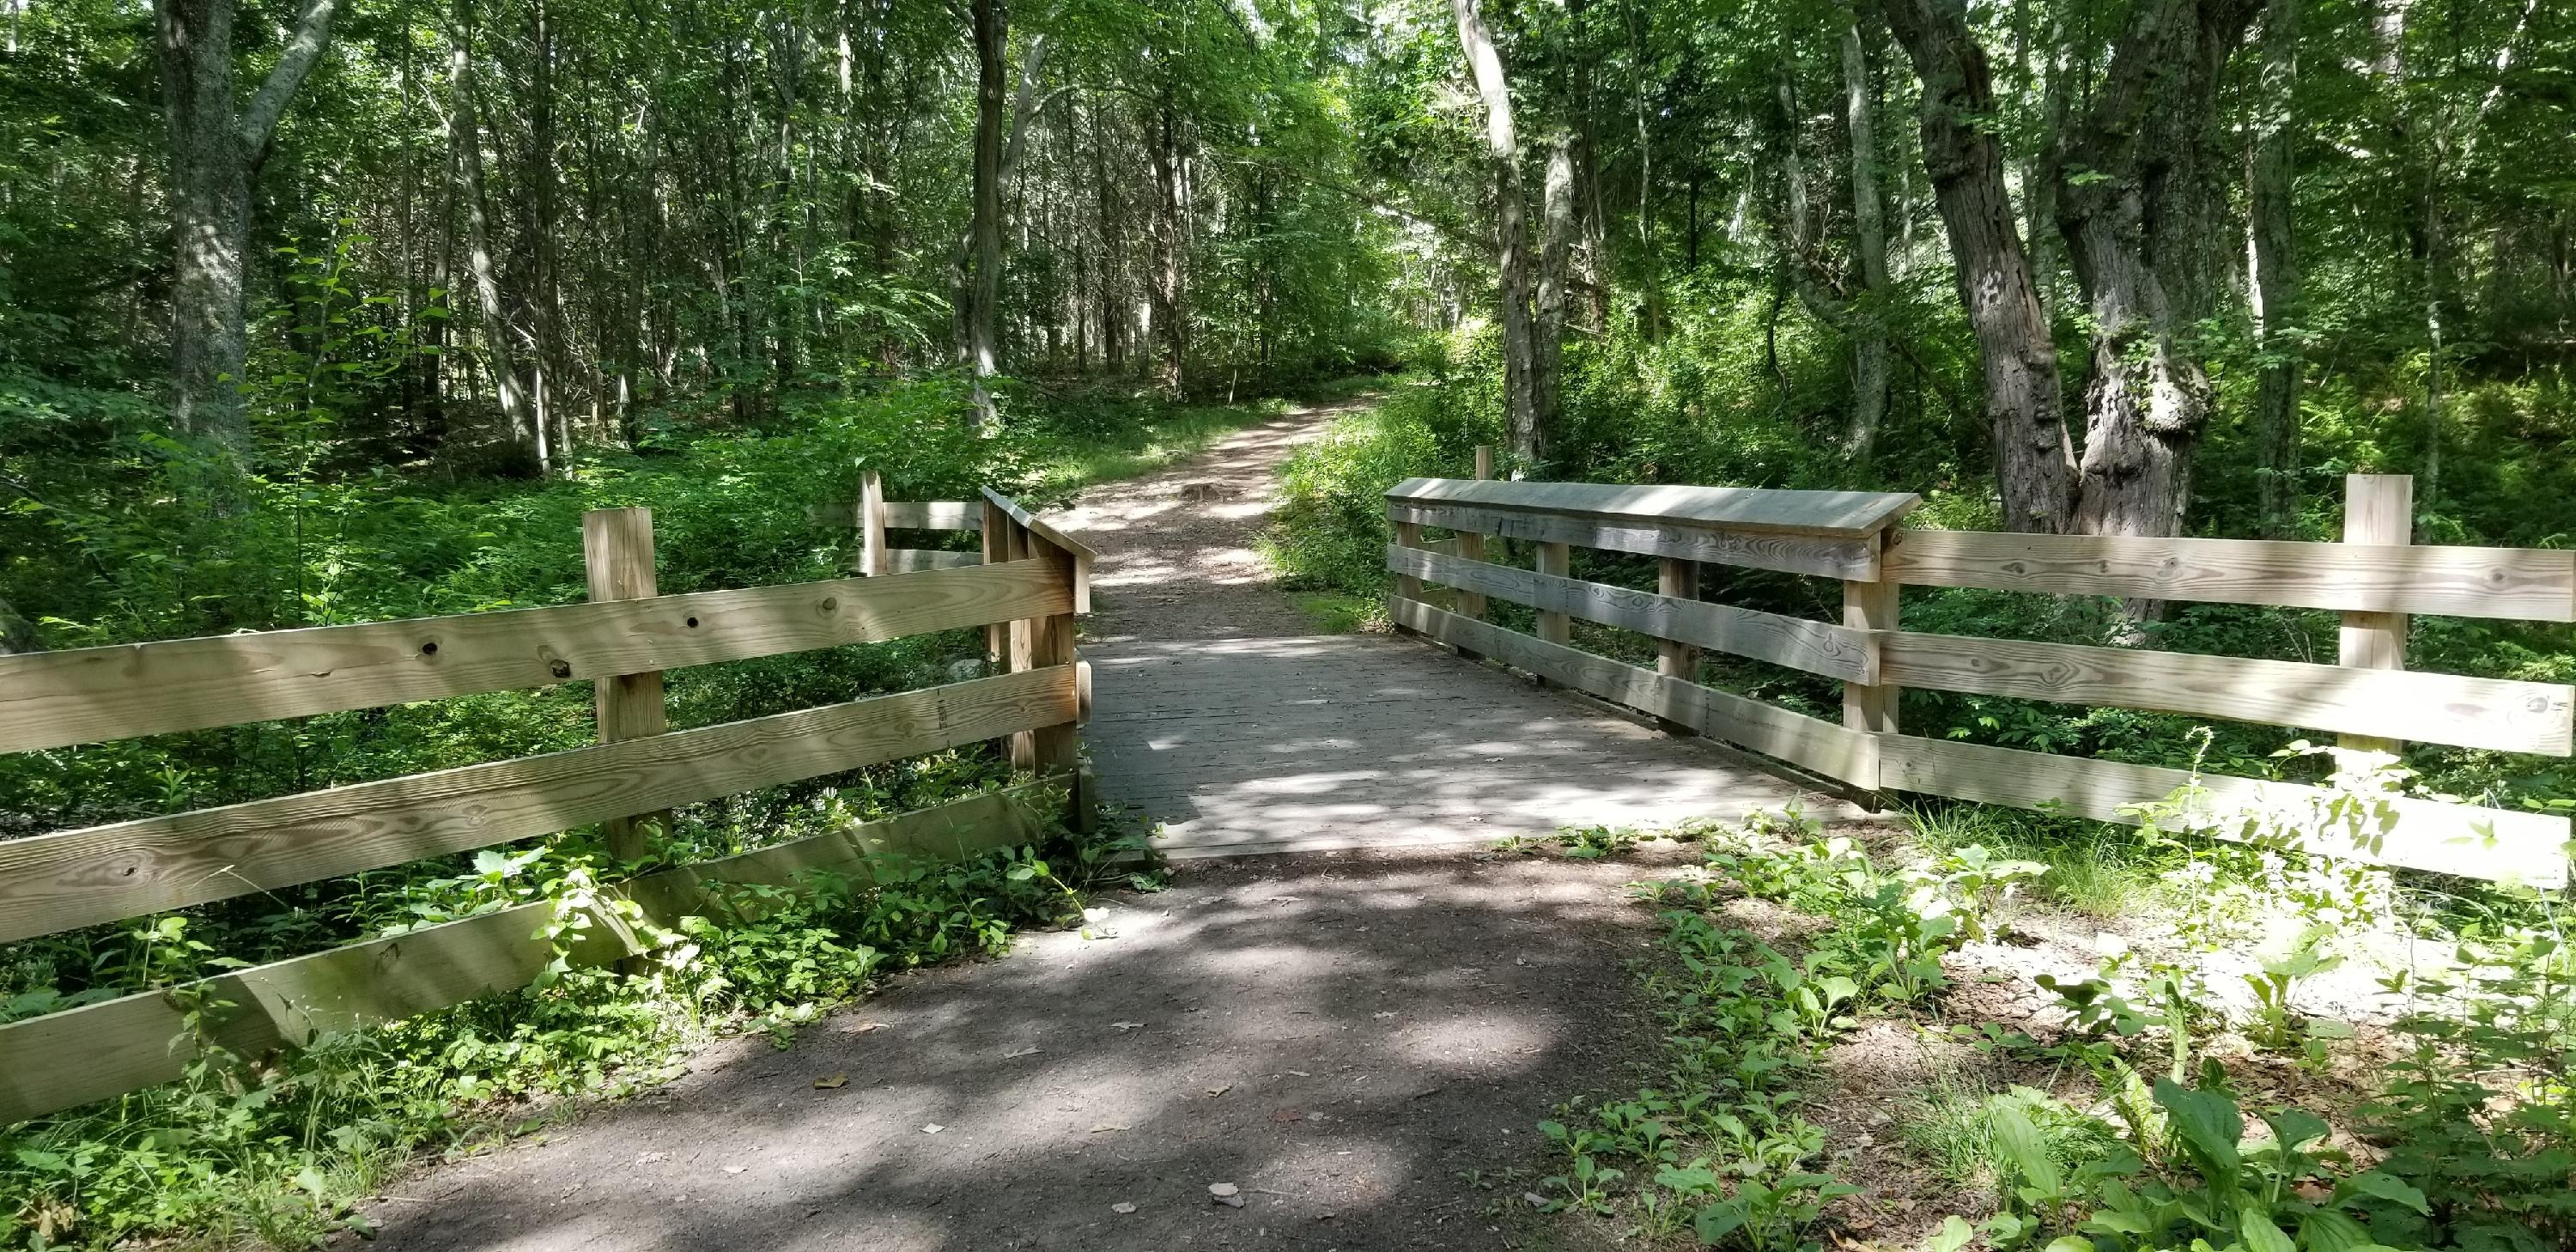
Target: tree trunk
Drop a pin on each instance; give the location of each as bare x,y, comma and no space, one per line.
1523,434
215,155
518,425
2274,283
1592,267
1869,246
2139,203
985,296
1171,323
2034,461
1556,272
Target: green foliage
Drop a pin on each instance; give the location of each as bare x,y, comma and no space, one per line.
278,1148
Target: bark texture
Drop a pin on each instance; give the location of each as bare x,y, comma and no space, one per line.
2141,204
216,150
2272,258
2034,461
1527,440
982,355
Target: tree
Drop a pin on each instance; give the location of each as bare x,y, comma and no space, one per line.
1526,440
2273,285
985,297
2140,203
2034,460
217,147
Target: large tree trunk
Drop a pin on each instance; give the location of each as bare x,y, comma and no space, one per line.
518,424
2034,462
1556,273
215,155
1171,320
2274,283
1593,259
2140,204
985,296
1869,246
1523,434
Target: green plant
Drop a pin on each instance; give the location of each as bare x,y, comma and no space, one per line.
1770,1217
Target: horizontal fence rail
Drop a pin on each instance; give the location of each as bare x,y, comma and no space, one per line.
1025,598
2368,698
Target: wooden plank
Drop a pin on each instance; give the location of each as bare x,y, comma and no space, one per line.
1677,580
914,560
617,564
1814,647
2529,584
48,699
2440,708
1056,747
103,873
934,515
872,525
1810,743
2426,834
1083,553
1794,554
2377,509
1555,560
1870,704
1844,514
63,1060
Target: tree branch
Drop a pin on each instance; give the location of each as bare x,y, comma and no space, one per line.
312,35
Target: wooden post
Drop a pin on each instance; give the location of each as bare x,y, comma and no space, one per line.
1024,641
1557,559
1055,747
2377,509
1408,587
997,549
617,562
872,525
1674,659
1471,546
1871,606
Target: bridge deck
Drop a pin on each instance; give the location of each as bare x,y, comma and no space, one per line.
1221,713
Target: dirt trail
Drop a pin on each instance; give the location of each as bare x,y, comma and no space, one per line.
1347,1037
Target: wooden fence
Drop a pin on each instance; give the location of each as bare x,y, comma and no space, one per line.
622,640
2375,578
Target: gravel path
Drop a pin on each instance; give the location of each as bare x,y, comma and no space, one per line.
1355,1040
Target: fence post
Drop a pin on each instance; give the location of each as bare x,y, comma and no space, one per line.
997,549
1556,559
872,525
1471,546
1679,579
2377,509
1023,639
617,563
1056,747
1871,606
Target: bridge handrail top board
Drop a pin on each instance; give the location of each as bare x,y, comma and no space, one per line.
1842,514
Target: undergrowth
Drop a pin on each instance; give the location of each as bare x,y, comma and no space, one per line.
277,1148
2461,1136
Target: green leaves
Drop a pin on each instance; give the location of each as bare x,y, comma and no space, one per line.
2209,1127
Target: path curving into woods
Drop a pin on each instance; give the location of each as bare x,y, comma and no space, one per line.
1346,1031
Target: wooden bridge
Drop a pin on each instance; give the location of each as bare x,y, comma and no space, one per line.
1245,733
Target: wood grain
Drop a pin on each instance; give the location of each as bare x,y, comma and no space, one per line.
2377,509
63,1060
85,695
1815,647
934,515
1795,554
1871,703
872,525
2439,708
103,873
913,560
1083,554
1847,514
2524,583
617,564
1807,742
2453,839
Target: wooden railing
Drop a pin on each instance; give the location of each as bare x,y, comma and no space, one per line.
638,771
2375,578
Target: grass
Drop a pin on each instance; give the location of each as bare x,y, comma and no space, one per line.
2098,870
1952,1126
1170,437
1335,614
